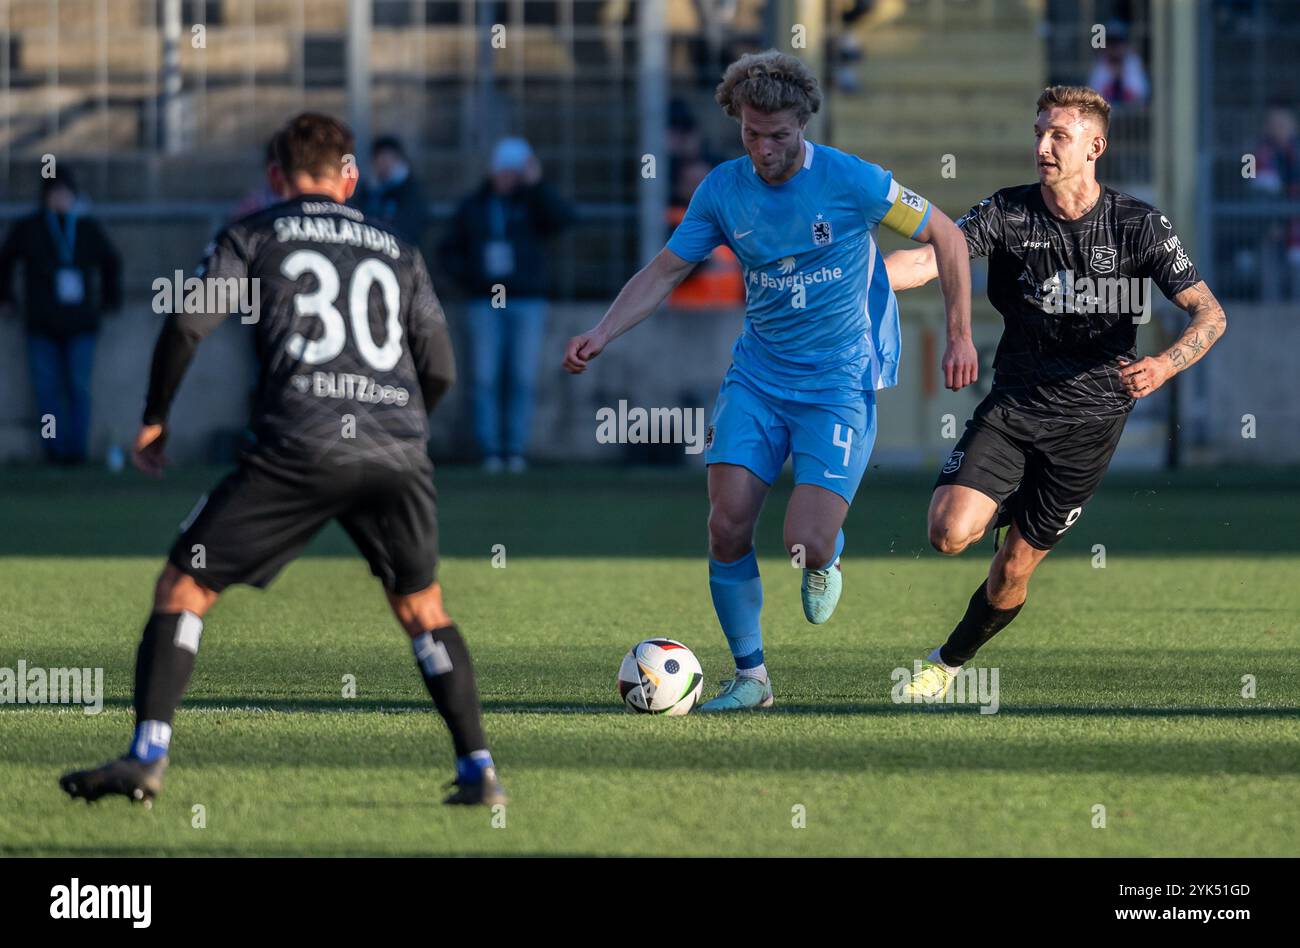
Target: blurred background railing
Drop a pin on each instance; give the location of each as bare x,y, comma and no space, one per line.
163,108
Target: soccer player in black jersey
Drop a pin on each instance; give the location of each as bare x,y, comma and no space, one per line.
354,352
1068,264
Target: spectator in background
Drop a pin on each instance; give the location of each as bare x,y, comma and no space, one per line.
683,142
495,249
1118,73
685,145
393,196
1277,175
71,275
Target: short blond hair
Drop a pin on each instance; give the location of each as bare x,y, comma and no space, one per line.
1082,98
770,81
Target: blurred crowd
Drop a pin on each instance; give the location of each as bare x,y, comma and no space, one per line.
1277,178
61,274
493,247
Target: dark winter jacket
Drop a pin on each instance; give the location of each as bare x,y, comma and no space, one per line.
32,243
401,206
525,219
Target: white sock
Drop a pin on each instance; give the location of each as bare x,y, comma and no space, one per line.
934,657
758,671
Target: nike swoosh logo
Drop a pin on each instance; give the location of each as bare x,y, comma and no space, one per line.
834,477
738,235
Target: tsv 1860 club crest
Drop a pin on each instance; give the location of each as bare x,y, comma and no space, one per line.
821,231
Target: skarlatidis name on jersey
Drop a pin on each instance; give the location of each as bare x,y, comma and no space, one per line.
329,230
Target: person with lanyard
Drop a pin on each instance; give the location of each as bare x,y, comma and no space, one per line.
495,248
71,276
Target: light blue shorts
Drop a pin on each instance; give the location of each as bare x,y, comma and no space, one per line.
830,443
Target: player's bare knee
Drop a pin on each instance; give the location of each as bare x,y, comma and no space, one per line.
729,537
947,539
730,549
415,624
420,611
179,592
815,552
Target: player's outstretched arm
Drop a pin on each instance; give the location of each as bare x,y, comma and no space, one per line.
639,297
1209,323
952,261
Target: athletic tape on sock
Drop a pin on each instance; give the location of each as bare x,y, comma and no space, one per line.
432,655
189,629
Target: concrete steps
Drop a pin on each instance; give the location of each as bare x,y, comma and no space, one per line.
36,15
952,78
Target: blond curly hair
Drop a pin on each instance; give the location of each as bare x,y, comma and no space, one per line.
770,81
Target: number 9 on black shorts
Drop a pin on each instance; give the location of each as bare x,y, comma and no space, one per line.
1056,463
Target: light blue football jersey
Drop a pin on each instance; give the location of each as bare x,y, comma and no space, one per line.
820,315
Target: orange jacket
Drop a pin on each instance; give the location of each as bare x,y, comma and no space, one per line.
717,283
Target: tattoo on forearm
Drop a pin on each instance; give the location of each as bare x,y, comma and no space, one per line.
1207,324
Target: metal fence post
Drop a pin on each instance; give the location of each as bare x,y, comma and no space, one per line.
652,104
358,81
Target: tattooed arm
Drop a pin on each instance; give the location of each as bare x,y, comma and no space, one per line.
1208,325
1209,322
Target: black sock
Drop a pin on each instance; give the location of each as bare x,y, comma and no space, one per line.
981,622
449,676
164,662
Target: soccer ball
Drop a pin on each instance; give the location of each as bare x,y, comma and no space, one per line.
660,676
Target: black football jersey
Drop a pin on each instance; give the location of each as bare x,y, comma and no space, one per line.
1072,294
350,336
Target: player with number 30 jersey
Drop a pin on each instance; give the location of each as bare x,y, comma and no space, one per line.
353,352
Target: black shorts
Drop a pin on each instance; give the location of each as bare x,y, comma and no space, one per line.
1056,464
259,518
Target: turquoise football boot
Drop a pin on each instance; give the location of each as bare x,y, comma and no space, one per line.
821,592
742,693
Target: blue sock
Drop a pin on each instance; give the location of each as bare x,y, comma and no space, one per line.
469,769
738,599
839,548
150,741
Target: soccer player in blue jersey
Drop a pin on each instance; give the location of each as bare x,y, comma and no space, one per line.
821,335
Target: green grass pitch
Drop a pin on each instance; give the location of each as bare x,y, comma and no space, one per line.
1119,686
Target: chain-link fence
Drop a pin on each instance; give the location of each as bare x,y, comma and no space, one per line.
1250,160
